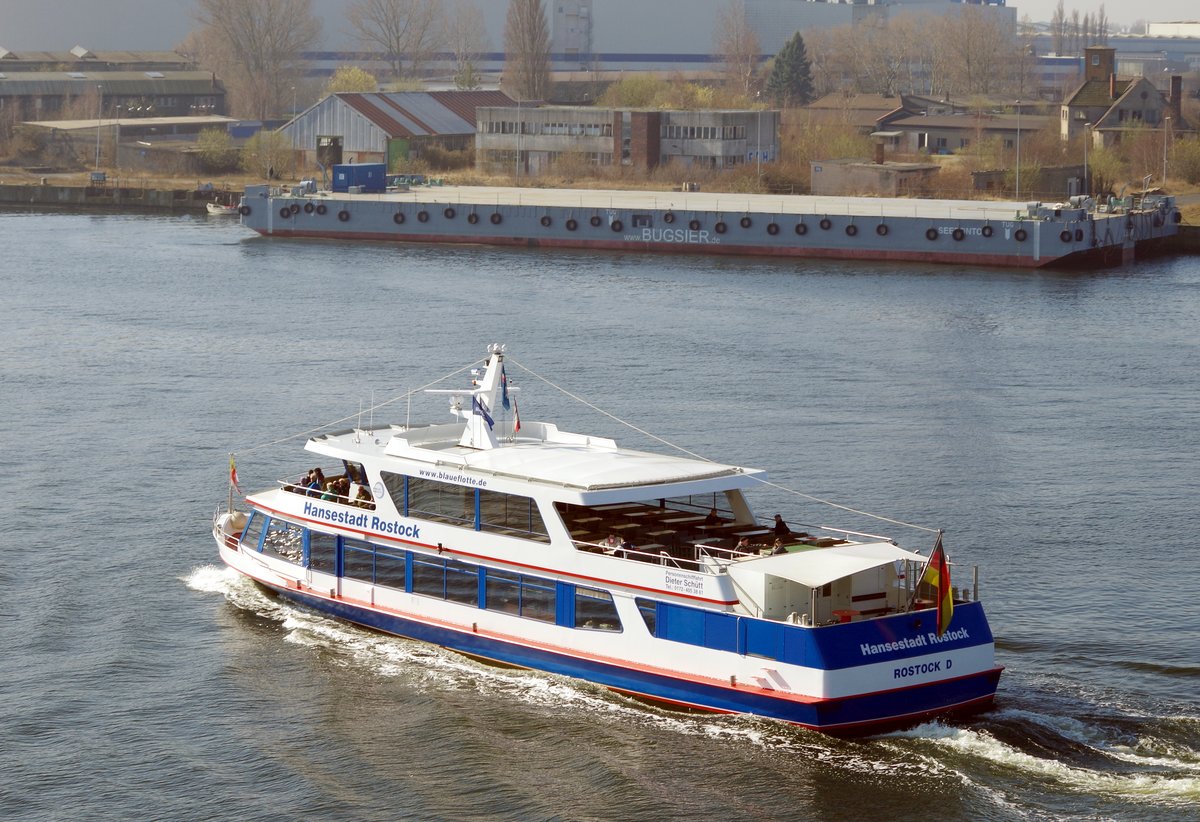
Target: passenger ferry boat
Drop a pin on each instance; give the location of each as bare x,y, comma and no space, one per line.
516,542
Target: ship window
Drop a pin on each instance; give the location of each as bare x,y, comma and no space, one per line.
285,540
253,531
439,502
594,609
429,577
322,551
358,560
529,597
511,514
649,612
462,582
389,570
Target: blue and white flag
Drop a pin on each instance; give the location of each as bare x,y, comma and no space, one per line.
504,389
479,407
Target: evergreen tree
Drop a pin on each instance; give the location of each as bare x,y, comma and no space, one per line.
526,51
791,77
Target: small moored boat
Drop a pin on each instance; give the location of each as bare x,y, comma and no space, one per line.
221,209
515,541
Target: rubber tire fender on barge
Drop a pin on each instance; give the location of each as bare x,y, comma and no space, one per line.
595,221
472,218
398,218
449,213
746,222
669,217
720,227
343,215
801,229
694,225
308,208
1020,235
572,225
881,229
285,212
986,231
244,210
959,235
321,209
826,223
851,230
546,221
617,225
931,234
1065,236
496,218
772,229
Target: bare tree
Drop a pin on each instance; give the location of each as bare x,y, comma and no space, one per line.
737,46
254,45
466,37
527,50
405,30
1101,26
1058,29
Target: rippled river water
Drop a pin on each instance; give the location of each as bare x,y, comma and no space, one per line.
1049,421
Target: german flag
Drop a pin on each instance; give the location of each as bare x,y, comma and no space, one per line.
937,574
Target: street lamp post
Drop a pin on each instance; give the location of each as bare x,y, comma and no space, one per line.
1086,136
1018,149
1166,134
99,113
517,162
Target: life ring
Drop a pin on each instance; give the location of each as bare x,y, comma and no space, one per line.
398,217
669,217
959,235
285,212
931,234
595,221
881,229
851,230
572,225
1020,234
449,213
826,223
746,222
423,216
986,231
801,229
546,221
308,208
321,209
495,218
694,225
243,210
720,227
1065,236
343,215
295,208
1079,235
472,218
772,229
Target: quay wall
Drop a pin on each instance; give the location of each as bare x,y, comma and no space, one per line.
114,197
1185,241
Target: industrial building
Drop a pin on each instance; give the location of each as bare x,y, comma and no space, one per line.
528,139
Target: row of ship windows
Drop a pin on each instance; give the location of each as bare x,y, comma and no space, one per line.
524,595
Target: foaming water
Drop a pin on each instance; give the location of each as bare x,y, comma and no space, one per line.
1046,420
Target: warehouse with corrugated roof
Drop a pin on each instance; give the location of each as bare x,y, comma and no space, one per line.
387,127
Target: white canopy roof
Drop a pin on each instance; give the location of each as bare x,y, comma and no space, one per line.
819,566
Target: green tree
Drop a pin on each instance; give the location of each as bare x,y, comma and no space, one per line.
217,152
791,78
350,78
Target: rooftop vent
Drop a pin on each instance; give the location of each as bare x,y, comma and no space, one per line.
76,75
5,54
82,53
155,75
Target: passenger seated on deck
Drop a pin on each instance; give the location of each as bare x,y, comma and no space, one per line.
778,548
626,547
364,498
781,527
743,545
316,482
612,543
713,517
